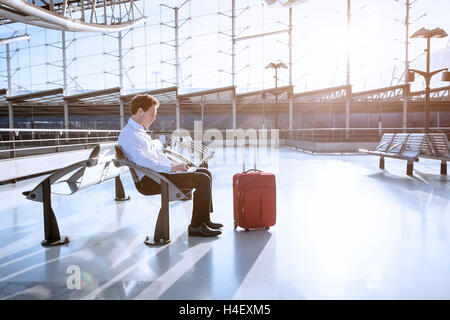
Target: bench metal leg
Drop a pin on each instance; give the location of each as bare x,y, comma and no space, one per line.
381,163
409,168
51,230
444,167
161,235
120,192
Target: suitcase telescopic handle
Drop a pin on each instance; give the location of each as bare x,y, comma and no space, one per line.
254,161
252,170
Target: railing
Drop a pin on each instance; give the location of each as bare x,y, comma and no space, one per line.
325,134
352,134
15,143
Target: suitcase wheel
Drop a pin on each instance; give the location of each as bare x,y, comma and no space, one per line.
235,225
246,230
266,228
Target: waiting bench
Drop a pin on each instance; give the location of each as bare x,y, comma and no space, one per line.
411,147
105,162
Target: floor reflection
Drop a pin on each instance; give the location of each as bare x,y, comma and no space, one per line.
340,221
220,272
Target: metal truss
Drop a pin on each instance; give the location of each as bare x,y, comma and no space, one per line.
176,44
338,93
76,16
436,94
394,93
233,38
214,96
280,94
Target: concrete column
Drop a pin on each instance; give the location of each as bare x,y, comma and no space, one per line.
66,115
347,117
177,113
11,126
234,114
122,117
405,112
202,107
291,113
10,115
291,117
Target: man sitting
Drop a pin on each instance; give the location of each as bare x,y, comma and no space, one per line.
138,147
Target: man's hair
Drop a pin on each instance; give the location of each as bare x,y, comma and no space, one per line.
144,101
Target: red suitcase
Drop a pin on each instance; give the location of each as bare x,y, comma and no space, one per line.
254,195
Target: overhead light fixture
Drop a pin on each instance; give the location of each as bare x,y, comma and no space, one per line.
446,76
277,65
411,76
427,33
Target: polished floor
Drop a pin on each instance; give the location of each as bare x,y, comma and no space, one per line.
345,230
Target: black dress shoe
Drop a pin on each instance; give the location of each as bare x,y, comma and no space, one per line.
213,225
202,231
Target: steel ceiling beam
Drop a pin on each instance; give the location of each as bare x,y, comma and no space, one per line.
25,12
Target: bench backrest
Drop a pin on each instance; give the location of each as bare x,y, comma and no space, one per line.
413,144
398,143
100,167
403,144
439,144
82,174
121,155
386,141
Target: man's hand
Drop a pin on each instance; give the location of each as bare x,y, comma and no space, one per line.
179,167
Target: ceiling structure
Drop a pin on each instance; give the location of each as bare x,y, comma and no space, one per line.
222,95
70,15
279,94
163,95
106,101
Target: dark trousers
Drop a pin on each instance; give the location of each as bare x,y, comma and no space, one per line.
200,180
